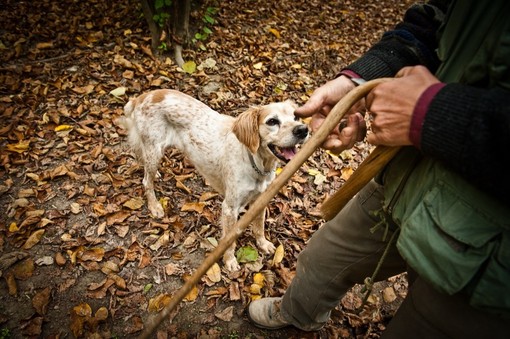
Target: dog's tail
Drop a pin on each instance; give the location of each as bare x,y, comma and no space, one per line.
128,123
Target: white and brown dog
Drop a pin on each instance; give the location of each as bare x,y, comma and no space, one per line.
236,156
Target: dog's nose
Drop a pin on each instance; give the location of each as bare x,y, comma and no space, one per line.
300,131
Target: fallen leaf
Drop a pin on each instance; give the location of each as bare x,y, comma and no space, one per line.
214,273
346,172
159,302
163,240
20,147
41,300
12,287
247,254
189,67
118,92
193,206
278,255
92,254
24,269
134,203
275,32
226,315
101,314
62,128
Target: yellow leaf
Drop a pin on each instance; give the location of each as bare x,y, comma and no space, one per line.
255,288
275,32
20,147
61,128
83,310
278,255
192,295
255,297
33,239
214,273
159,302
189,67
258,65
346,173
259,278
13,227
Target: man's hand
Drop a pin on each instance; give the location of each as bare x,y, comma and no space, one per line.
322,102
391,105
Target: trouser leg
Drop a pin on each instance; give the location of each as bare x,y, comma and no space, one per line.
341,253
427,313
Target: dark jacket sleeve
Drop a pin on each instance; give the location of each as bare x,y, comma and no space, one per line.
412,42
473,137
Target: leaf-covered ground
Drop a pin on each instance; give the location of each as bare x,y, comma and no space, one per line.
80,256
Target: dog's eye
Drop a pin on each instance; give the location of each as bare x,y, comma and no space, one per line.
273,122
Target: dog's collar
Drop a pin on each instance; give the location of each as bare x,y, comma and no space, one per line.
254,166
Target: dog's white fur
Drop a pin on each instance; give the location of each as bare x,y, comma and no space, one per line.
218,145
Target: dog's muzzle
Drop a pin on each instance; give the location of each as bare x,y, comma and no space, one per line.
300,132
287,153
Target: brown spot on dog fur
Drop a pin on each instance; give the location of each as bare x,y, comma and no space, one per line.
138,100
158,96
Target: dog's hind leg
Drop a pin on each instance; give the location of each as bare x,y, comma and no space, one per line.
151,159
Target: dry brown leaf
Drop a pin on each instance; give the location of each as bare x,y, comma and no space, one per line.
24,269
193,206
207,196
226,315
101,314
163,240
12,287
159,302
41,300
117,218
119,281
134,203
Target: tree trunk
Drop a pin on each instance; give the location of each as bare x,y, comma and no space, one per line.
155,30
180,34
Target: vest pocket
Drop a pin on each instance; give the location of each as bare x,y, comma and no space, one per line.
447,239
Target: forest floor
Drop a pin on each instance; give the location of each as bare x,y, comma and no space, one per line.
80,255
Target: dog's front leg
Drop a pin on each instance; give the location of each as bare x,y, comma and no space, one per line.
258,231
228,220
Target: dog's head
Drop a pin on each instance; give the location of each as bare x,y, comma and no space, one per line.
272,127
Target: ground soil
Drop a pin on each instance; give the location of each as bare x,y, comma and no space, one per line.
80,255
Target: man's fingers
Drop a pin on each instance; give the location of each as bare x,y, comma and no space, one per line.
308,109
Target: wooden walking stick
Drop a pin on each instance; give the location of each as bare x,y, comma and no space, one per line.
368,169
333,118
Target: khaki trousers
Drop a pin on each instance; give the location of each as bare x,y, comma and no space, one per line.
344,252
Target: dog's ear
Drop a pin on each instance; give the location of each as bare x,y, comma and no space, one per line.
246,128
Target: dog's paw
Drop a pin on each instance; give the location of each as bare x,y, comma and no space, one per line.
231,265
156,210
266,246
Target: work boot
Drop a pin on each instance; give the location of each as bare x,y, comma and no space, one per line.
265,313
